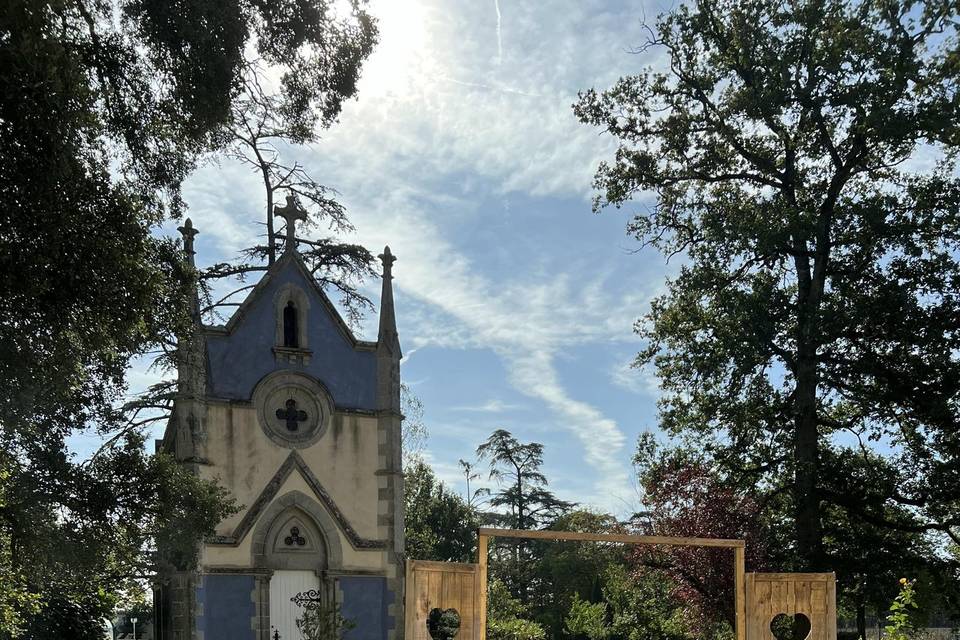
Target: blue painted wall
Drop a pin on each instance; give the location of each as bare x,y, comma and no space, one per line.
225,607
238,361
365,602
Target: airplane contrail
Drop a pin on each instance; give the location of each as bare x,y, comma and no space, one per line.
496,6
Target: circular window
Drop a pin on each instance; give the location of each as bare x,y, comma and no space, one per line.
293,409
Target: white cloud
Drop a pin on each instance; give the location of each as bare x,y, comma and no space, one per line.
527,322
639,380
494,405
441,100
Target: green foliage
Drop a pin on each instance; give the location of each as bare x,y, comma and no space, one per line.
322,621
588,620
82,561
443,624
520,501
438,524
105,107
563,572
17,601
900,622
641,606
514,629
515,466
815,311
506,616
634,607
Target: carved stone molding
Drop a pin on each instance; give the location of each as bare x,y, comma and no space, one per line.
295,462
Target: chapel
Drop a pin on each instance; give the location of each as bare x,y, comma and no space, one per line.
300,422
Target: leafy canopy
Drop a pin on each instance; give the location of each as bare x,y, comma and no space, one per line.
105,107
802,156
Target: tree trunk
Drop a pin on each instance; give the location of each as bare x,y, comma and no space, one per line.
806,444
271,247
862,621
807,459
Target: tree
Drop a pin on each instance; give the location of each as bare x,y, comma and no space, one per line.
476,497
566,571
686,495
817,300
264,123
438,524
522,490
105,108
515,466
414,434
508,618
633,607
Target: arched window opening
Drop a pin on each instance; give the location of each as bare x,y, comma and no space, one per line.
291,333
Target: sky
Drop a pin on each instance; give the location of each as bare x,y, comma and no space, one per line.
515,303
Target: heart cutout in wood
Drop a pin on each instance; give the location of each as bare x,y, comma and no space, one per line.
443,624
787,627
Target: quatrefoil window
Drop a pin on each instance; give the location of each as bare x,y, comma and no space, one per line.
293,408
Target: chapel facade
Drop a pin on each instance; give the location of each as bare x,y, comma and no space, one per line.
300,421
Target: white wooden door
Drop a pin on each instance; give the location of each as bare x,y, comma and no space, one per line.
283,612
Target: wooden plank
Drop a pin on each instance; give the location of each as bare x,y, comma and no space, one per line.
451,591
482,586
739,592
831,614
468,614
612,537
792,577
435,590
409,601
423,605
447,567
749,589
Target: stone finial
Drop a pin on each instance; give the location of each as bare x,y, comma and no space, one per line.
387,259
291,213
388,320
188,233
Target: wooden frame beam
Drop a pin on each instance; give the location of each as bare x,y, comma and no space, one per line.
738,546
611,537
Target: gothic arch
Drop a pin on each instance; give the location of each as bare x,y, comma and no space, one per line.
321,549
286,295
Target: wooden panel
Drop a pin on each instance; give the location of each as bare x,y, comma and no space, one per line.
812,594
739,594
442,585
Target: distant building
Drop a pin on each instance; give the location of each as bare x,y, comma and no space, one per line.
300,421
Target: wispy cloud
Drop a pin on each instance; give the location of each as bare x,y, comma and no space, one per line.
496,7
490,406
419,148
639,380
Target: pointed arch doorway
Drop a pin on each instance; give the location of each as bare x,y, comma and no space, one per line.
296,540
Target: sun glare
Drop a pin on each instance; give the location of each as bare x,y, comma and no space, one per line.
402,53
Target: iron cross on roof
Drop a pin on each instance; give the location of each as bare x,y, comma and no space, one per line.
291,213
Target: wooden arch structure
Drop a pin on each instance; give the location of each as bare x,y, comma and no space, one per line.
757,596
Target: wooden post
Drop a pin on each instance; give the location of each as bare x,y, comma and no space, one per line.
739,591
482,561
409,602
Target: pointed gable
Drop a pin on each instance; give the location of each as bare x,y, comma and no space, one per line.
288,323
